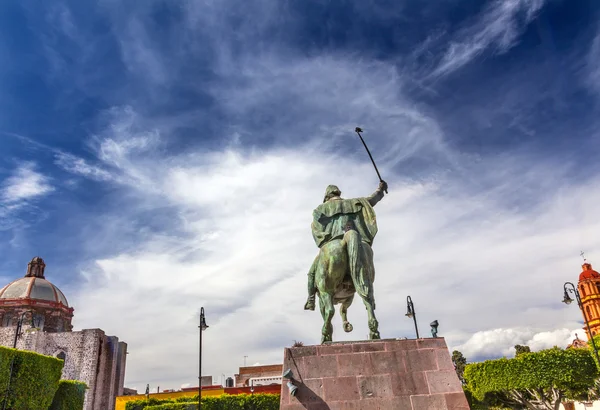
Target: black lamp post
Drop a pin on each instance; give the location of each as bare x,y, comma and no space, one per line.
203,326
410,312
567,300
18,331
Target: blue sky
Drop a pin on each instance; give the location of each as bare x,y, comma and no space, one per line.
161,156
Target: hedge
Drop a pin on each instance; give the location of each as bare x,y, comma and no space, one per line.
69,396
144,403
176,406
569,370
259,401
34,379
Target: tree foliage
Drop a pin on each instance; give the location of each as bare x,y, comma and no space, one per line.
69,396
460,362
260,401
30,378
535,380
521,349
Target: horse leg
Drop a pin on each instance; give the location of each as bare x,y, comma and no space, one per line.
327,309
330,270
344,311
322,307
373,323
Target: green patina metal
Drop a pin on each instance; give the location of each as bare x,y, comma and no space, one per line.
344,230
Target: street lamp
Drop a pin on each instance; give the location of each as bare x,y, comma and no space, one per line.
567,300
203,326
410,312
18,331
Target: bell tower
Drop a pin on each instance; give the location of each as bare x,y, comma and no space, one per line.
589,291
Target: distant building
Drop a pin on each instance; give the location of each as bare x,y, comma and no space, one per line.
89,355
206,381
260,373
577,343
129,392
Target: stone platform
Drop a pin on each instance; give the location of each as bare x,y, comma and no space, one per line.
390,374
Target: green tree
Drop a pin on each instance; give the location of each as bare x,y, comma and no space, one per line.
460,362
521,349
539,380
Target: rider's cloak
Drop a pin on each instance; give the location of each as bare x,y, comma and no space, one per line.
330,218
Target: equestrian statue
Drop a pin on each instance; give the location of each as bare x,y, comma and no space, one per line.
344,230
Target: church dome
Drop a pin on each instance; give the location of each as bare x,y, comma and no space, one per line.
588,272
34,286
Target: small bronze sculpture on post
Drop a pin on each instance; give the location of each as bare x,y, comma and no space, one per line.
434,328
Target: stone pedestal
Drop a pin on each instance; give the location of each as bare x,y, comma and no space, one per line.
383,374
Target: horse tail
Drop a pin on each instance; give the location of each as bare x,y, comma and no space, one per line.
361,280
352,240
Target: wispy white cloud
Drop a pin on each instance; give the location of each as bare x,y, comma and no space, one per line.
24,184
593,63
18,193
79,166
497,27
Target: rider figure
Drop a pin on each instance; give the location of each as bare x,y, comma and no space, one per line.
336,226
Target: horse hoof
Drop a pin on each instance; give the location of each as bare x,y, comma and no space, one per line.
348,327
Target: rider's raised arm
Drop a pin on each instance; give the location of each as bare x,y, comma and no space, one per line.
378,194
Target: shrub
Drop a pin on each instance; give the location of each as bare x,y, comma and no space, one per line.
242,402
186,399
258,401
175,406
34,379
69,396
144,403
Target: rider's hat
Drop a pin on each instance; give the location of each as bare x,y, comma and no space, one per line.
331,189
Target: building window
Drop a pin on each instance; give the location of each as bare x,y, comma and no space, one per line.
7,320
589,312
38,321
598,287
582,288
59,325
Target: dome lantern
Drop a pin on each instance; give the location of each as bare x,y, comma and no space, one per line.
36,268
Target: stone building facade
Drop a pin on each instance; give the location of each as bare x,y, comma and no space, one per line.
89,355
242,379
